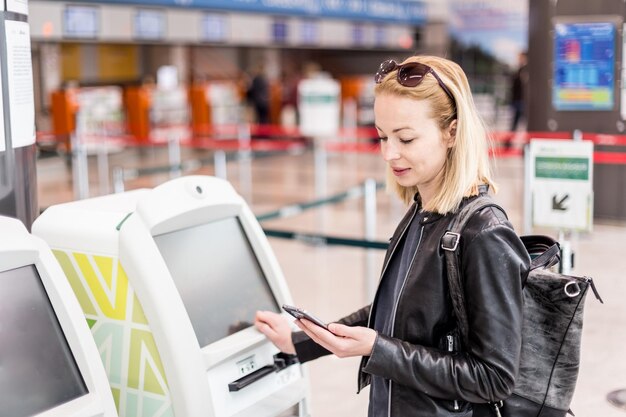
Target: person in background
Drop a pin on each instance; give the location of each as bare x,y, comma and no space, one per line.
258,95
519,85
436,150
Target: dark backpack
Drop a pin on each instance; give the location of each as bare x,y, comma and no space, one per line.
552,322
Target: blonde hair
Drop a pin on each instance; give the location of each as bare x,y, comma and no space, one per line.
467,163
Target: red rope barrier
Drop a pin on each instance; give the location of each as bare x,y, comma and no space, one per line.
225,138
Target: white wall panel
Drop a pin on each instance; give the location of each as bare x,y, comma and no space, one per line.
248,29
117,23
46,19
335,33
183,25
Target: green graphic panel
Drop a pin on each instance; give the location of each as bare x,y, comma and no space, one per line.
116,397
122,334
110,340
138,314
111,300
143,355
75,282
105,265
131,405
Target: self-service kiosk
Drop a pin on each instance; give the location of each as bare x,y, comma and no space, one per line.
172,278
49,363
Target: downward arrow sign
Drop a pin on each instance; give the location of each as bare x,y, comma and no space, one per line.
558,204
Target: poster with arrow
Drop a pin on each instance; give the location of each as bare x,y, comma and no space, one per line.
561,176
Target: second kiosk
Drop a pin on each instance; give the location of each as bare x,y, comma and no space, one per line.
170,280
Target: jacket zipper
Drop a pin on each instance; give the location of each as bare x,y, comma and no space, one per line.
451,349
395,307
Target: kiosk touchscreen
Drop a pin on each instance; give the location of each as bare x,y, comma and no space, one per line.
49,364
173,277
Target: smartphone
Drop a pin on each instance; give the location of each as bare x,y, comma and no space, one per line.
302,314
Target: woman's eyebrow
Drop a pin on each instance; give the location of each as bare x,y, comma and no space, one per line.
395,130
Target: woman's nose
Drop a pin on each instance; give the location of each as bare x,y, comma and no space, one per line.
389,151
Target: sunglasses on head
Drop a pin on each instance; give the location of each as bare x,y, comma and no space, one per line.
410,74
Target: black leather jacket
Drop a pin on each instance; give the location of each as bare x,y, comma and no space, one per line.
430,373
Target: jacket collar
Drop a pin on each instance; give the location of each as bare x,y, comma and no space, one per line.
430,217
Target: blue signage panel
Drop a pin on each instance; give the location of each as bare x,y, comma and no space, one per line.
584,66
405,11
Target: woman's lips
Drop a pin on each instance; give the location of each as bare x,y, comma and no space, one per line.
399,171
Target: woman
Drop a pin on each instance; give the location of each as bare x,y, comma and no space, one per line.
436,149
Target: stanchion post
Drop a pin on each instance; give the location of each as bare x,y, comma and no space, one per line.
80,167
244,136
103,161
174,157
577,135
118,180
321,168
219,164
245,161
350,119
528,197
369,194
565,266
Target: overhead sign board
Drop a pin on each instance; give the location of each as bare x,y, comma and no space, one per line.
561,183
405,11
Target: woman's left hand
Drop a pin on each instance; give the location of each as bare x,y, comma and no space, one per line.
343,341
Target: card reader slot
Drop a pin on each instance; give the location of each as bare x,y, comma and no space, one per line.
250,378
281,361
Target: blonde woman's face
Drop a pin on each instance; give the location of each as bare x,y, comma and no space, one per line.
411,142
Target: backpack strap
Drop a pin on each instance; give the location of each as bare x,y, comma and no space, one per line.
550,257
450,243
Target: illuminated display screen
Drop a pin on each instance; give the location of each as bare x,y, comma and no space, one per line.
279,30
217,276
584,66
149,24
81,22
214,27
309,32
358,34
37,369
380,36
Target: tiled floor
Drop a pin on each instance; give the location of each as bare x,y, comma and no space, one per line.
331,280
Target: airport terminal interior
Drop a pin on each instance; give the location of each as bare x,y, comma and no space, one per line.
171,134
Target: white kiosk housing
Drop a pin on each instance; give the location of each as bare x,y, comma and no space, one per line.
49,363
173,277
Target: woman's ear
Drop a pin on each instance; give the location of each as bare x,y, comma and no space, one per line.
451,133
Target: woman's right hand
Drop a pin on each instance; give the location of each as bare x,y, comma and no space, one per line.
276,328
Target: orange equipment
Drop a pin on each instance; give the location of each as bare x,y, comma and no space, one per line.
64,109
138,102
200,108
